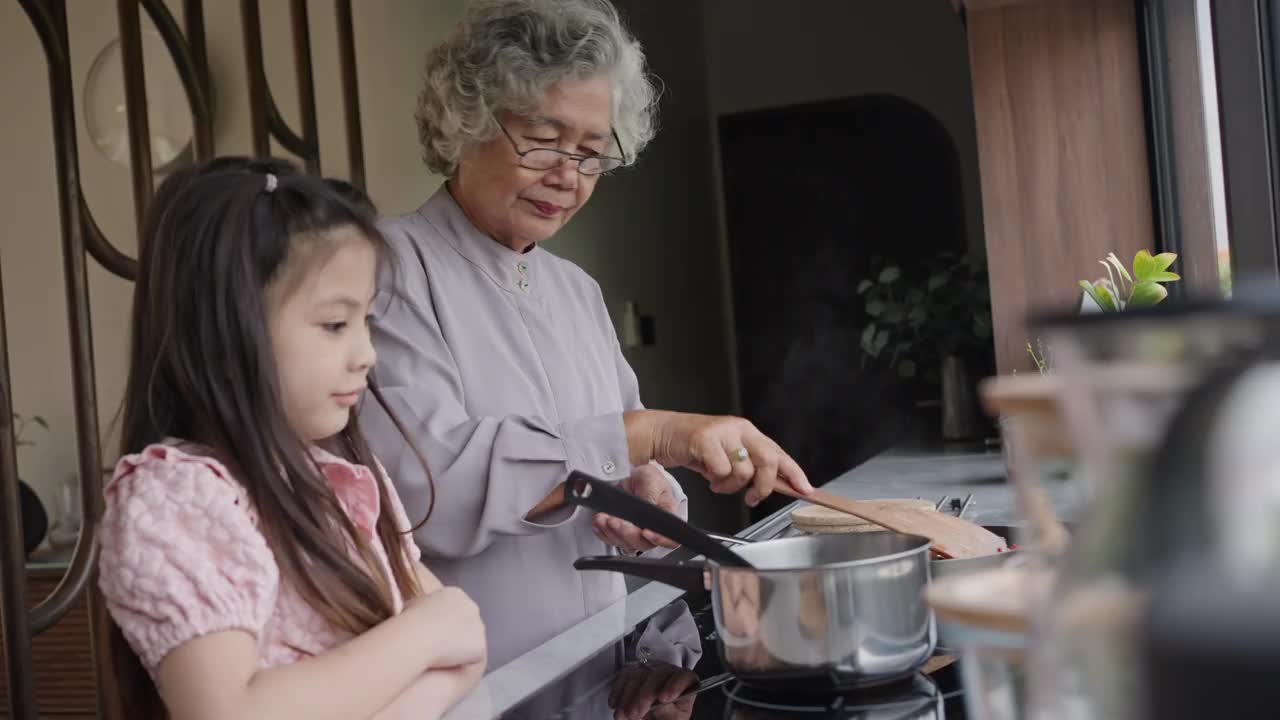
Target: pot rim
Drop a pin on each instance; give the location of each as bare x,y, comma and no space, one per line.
921,547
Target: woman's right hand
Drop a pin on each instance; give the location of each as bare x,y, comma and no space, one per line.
655,690
713,447
453,626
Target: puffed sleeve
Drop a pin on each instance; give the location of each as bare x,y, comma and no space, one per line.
181,554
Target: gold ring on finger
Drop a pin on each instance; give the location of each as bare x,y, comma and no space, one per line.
741,454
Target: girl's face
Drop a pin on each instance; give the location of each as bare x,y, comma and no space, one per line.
317,319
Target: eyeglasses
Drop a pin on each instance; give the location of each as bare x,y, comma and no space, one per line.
550,158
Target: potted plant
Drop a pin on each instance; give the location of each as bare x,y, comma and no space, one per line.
1032,398
932,321
1121,290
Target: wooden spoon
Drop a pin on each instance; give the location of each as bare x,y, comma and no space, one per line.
949,536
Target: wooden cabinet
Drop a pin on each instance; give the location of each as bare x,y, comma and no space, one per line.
63,658
1062,148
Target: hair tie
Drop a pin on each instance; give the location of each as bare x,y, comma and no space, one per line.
272,182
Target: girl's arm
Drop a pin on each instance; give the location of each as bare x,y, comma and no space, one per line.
431,695
439,689
216,675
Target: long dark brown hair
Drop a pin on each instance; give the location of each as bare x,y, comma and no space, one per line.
201,369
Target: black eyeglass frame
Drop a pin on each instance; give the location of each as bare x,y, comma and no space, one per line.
622,161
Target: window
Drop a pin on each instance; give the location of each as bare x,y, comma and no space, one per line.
1215,140
1245,33
1213,144
1192,217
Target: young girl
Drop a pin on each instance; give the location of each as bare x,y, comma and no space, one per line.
252,572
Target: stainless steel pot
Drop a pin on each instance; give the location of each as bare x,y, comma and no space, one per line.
938,568
916,699
821,612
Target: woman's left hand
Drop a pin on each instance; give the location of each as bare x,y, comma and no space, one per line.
649,483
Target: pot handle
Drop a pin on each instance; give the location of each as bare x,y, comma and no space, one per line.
686,575
582,489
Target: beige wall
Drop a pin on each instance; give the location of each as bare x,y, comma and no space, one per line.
649,235
391,39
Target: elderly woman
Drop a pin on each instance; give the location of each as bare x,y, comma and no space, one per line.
501,357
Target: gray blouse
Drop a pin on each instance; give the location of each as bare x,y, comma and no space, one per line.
506,371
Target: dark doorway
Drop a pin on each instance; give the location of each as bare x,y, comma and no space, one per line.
812,194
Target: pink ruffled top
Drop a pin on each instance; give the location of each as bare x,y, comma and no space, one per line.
182,555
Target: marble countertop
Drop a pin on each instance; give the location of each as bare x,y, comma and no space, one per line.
932,473
925,473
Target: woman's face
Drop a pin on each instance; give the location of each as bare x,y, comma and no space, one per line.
517,206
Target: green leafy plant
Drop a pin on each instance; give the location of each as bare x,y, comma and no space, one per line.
1143,287
885,338
922,314
1120,290
1041,359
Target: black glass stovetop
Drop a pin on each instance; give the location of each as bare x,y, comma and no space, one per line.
622,683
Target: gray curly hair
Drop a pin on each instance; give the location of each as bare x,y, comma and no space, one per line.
504,54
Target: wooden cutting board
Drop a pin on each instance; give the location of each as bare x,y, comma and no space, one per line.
817,519
949,535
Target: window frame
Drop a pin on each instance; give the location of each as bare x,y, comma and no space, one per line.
1245,34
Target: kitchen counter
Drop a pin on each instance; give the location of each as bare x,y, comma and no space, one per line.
926,473
931,473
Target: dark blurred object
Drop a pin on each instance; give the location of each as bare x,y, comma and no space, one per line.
1211,636
648,330
1165,603
1210,648
867,176
35,521
959,406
